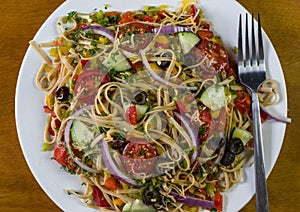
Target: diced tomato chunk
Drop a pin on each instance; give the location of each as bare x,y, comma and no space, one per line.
127,17
60,155
243,102
218,201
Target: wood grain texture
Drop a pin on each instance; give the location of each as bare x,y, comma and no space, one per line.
20,20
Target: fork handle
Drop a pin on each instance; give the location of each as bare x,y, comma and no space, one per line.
262,203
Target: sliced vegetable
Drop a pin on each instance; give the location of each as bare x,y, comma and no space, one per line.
218,201
235,146
88,83
112,167
243,102
227,159
192,133
139,156
205,34
60,155
131,114
111,183
188,40
171,29
244,135
117,144
68,142
127,17
137,206
116,61
276,117
99,198
214,97
150,197
206,127
81,134
141,111
127,207
139,97
164,63
208,204
159,79
215,53
62,93
101,31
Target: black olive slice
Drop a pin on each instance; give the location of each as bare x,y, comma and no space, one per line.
150,197
227,159
139,97
62,93
164,63
117,144
236,146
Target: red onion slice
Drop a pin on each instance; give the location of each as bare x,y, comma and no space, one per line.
170,29
112,167
207,204
192,133
276,117
101,31
161,80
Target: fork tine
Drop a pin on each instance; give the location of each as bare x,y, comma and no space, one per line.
260,43
247,51
254,58
240,43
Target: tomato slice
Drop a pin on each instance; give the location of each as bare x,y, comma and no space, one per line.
215,53
205,34
139,156
88,83
207,125
60,155
131,114
98,198
141,39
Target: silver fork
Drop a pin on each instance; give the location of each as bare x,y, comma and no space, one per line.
251,71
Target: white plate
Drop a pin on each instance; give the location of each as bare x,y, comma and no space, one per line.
30,117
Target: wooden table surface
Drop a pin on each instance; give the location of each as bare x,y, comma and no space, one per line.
21,19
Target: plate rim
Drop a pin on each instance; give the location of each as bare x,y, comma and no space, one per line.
21,72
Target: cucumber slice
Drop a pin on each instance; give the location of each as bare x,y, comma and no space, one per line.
127,207
140,111
116,61
214,97
188,40
81,134
244,135
139,206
